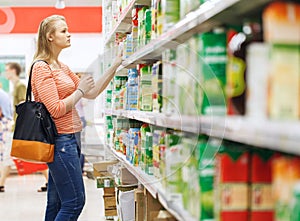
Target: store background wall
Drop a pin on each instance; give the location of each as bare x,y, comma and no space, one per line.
85,49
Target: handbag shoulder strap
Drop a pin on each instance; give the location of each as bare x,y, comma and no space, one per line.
28,92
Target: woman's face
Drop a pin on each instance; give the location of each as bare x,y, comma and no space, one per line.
61,37
9,72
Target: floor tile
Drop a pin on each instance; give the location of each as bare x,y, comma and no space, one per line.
22,202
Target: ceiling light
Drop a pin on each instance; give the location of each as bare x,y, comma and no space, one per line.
60,4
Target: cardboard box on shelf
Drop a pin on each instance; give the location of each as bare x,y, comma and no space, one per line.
100,168
109,202
111,212
139,200
127,178
153,215
109,191
151,205
100,174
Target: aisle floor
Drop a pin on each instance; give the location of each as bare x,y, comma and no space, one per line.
21,201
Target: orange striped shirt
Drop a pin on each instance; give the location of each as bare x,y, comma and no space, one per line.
51,87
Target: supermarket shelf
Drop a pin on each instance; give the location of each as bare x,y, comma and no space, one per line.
124,23
276,135
153,186
208,16
149,182
183,123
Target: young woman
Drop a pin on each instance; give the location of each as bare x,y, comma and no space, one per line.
54,84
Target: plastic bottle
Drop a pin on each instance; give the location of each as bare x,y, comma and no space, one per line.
236,66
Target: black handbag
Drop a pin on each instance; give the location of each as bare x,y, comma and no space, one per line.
35,130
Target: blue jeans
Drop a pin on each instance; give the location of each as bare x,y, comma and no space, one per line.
66,193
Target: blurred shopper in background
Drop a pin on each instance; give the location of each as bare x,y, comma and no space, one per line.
13,71
5,129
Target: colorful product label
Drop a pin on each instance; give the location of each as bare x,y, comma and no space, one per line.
234,196
261,197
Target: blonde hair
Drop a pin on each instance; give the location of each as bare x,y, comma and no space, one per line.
46,28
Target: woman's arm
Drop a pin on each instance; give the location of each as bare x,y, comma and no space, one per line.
104,80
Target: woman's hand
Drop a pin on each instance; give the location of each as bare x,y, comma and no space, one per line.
118,60
86,83
104,80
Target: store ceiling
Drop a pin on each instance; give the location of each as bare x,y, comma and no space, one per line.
49,2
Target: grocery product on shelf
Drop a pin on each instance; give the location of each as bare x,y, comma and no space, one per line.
108,96
170,12
158,147
284,82
285,173
281,22
187,6
236,68
262,203
143,147
281,30
128,46
118,92
135,26
257,57
212,61
186,77
132,148
132,90
145,88
148,26
173,161
156,82
296,203
231,183
206,168
141,26
148,153
160,19
169,82
190,187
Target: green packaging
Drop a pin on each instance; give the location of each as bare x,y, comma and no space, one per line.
212,60
149,153
141,26
142,152
206,150
146,89
156,81
104,182
148,26
171,13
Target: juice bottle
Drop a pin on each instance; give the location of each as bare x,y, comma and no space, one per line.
236,66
